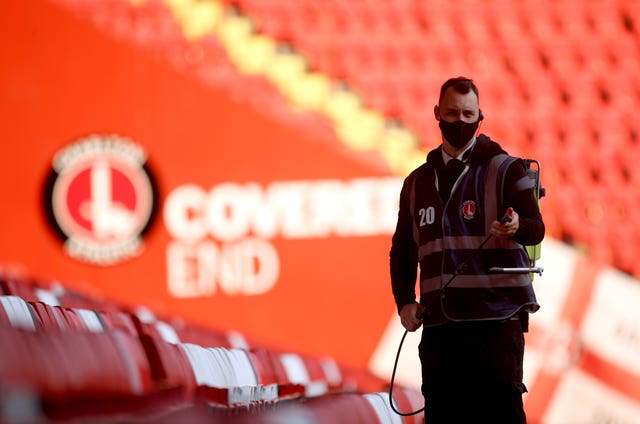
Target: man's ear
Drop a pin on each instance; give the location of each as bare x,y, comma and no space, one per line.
436,112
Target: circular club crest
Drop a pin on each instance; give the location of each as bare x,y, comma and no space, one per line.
101,198
468,209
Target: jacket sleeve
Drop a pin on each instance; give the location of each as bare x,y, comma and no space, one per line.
524,202
403,255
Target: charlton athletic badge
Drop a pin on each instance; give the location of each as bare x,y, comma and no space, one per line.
101,198
468,209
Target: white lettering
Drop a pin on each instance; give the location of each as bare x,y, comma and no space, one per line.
299,209
326,206
183,213
284,208
229,210
243,217
249,267
99,253
95,145
191,269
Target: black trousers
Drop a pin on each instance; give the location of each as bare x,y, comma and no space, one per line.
472,372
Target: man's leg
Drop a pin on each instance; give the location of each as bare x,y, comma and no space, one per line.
505,354
473,371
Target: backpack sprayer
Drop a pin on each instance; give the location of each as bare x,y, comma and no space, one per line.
532,251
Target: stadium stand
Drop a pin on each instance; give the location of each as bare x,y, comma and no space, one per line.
559,78
118,363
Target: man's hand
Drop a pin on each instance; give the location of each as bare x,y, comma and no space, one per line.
506,229
409,318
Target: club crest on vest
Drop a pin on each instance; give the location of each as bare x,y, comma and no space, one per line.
468,209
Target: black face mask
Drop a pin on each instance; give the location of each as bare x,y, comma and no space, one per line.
458,133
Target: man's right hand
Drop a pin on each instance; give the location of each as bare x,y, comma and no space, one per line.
409,316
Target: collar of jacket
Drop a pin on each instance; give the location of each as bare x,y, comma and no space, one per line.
483,151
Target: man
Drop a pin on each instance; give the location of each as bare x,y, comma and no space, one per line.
469,208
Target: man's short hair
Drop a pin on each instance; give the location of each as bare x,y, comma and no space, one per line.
461,84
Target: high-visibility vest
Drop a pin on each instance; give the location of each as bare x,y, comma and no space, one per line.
449,235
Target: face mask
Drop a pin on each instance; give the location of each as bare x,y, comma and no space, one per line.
458,133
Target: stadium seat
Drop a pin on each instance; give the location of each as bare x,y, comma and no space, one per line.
147,324
409,400
170,366
16,313
380,404
69,365
119,320
343,407
298,374
226,376
208,337
15,286
57,318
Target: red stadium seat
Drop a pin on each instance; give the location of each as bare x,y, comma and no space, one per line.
170,366
16,286
16,313
208,337
317,376
380,404
57,318
70,365
117,320
147,324
343,407
271,371
225,376
409,400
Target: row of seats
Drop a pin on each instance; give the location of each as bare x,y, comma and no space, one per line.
109,361
540,19
217,366
398,95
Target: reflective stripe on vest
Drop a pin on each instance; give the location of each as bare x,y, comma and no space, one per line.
476,281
